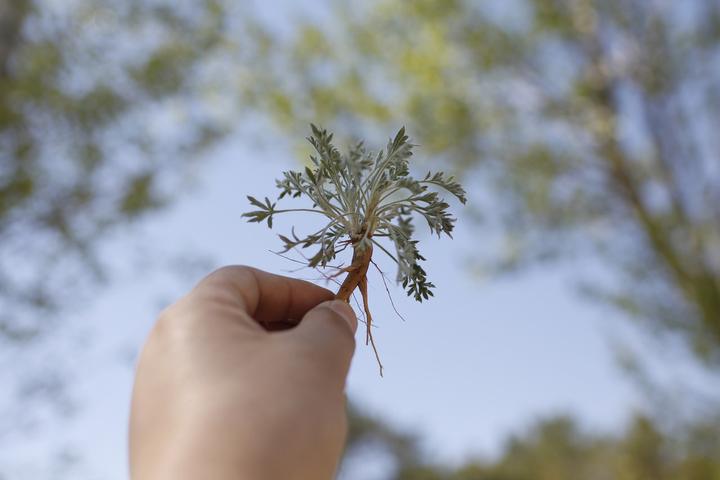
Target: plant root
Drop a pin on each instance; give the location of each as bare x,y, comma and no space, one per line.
357,278
368,330
387,289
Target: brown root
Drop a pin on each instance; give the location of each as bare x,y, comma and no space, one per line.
357,278
368,329
356,271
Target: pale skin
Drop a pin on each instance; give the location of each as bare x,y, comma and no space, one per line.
243,378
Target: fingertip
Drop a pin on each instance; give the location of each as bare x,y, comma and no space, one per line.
345,311
327,333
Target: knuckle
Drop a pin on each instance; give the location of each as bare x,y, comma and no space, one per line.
187,313
167,320
226,274
220,283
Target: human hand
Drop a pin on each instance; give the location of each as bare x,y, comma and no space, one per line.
218,396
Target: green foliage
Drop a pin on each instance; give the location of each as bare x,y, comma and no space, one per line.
77,156
574,117
559,449
88,92
139,196
365,196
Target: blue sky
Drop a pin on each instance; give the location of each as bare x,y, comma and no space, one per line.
477,362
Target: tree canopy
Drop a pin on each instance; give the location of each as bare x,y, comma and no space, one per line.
587,130
556,448
83,147
591,126
102,109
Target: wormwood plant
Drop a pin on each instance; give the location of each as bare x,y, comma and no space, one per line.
365,197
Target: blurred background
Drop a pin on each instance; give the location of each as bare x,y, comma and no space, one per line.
575,332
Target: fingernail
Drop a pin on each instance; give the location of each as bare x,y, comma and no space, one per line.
345,311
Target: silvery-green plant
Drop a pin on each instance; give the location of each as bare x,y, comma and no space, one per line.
369,200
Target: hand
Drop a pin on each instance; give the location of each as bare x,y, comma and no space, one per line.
219,396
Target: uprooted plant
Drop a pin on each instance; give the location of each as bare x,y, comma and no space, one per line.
365,197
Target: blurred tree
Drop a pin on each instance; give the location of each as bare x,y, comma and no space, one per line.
592,124
83,90
558,449
370,439
103,105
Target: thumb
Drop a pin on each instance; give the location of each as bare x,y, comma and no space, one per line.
329,331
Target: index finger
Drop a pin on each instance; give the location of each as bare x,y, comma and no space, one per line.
274,301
